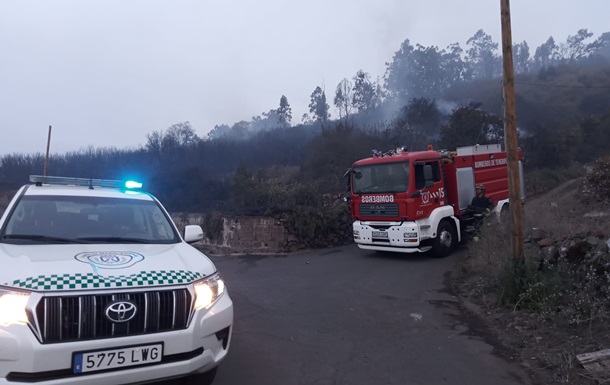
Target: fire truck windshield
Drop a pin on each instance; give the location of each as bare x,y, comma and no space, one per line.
381,178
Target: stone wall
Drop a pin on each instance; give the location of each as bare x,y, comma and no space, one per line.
243,234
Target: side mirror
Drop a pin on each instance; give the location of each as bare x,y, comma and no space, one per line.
193,233
347,179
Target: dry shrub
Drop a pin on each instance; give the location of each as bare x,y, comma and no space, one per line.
482,271
491,275
213,226
597,181
567,299
563,212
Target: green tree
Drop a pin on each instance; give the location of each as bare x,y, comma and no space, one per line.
469,125
423,71
482,56
364,96
416,124
546,55
601,46
576,46
318,105
218,131
397,75
453,66
521,55
284,112
239,130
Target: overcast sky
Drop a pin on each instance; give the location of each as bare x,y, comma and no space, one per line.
107,72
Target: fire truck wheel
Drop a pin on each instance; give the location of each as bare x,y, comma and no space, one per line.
445,240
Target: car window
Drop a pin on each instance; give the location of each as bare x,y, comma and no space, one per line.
89,218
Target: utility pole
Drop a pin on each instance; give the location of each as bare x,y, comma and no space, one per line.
510,135
46,159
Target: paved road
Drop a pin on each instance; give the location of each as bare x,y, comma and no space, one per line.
347,316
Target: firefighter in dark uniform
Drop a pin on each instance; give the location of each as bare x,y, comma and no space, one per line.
481,205
481,202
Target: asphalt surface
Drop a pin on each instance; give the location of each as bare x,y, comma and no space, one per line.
349,316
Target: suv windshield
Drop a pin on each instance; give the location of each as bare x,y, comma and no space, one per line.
77,219
381,178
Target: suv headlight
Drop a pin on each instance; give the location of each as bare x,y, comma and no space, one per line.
208,290
12,307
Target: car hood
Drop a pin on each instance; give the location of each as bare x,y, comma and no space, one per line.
100,266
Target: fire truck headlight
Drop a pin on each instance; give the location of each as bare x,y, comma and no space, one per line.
208,290
410,235
12,307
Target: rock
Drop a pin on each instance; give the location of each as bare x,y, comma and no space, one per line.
537,234
550,253
593,241
603,247
545,242
574,250
598,258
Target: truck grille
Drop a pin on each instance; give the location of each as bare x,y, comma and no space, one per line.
82,317
383,210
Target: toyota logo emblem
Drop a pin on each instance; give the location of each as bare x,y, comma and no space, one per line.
121,311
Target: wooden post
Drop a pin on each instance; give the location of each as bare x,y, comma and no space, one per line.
510,135
46,159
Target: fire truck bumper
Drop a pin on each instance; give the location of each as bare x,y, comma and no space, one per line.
395,249
401,237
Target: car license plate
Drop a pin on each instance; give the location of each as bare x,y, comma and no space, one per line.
380,234
117,358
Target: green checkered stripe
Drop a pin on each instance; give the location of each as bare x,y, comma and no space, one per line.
92,281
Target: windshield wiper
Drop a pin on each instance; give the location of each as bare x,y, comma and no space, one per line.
44,238
115,240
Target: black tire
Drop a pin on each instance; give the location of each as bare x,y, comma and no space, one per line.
445,240
206,378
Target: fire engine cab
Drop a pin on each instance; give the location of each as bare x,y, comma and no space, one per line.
418,201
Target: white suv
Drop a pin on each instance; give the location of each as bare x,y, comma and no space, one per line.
97,286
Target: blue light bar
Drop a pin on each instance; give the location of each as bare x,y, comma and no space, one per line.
60,180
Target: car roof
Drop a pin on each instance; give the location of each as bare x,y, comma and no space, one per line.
72,190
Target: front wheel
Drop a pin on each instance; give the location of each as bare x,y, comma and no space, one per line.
445,240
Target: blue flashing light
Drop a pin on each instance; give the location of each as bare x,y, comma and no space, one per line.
133,184
375,152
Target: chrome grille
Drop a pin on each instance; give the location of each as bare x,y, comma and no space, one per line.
381,210
82,317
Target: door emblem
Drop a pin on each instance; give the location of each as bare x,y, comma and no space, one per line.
110,259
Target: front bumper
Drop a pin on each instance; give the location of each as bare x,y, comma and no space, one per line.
402,237
199,348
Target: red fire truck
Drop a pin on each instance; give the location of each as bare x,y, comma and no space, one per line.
410,202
